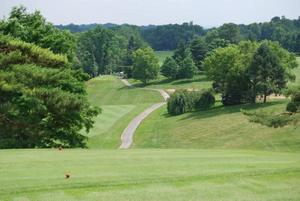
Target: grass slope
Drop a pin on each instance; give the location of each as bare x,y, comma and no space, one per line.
119,104
220,127
160,175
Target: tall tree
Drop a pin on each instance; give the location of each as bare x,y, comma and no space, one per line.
187,68
43,101
169,68
145,65
33,28
199,50
230,32
266,73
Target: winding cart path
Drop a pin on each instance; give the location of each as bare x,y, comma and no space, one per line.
128,133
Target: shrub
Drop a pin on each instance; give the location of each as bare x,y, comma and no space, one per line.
179,103
296,98
205,100
184,101
291,107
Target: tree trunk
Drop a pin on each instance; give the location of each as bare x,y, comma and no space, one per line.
265,96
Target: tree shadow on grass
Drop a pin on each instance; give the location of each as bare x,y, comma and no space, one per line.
223,110
186,81
154,82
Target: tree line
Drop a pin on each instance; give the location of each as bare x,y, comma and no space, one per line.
167,37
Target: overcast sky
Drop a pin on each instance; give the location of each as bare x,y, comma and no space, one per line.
143,12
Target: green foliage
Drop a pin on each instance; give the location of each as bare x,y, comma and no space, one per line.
269,118
187,68
230,32
205,100
183,101
33,28
241,72
266,73
43,102
180,102
291,107
145,65
168,37
183,58
199,50
100,51
169,68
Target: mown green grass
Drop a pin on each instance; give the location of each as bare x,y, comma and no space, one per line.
160,175
220,128
162,55
119,105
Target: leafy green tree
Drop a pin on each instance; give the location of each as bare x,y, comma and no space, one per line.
145,65
230,32
181,53
199,50
100,51
227,67
241,72
270,69
266,73
33,28
169,68
43,101
187,68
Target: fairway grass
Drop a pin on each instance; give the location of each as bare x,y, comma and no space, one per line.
160,175
119,105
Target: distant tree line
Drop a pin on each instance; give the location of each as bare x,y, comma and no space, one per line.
168,37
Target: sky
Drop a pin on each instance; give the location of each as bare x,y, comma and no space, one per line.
207,13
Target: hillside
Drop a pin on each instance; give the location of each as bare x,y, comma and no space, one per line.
220,127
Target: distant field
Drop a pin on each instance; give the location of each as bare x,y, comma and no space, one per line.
160,175
162,55
119,104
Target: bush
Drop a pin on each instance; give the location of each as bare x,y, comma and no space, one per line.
179,103
291,107
296,98
183,101
205,101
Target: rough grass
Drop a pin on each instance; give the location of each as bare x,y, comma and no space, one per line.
160,175
119,104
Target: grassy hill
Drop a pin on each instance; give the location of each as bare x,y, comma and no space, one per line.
220,127
119,104
160,175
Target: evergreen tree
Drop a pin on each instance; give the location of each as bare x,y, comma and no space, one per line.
199,50
169,68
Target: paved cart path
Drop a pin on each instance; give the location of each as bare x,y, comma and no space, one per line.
128,133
